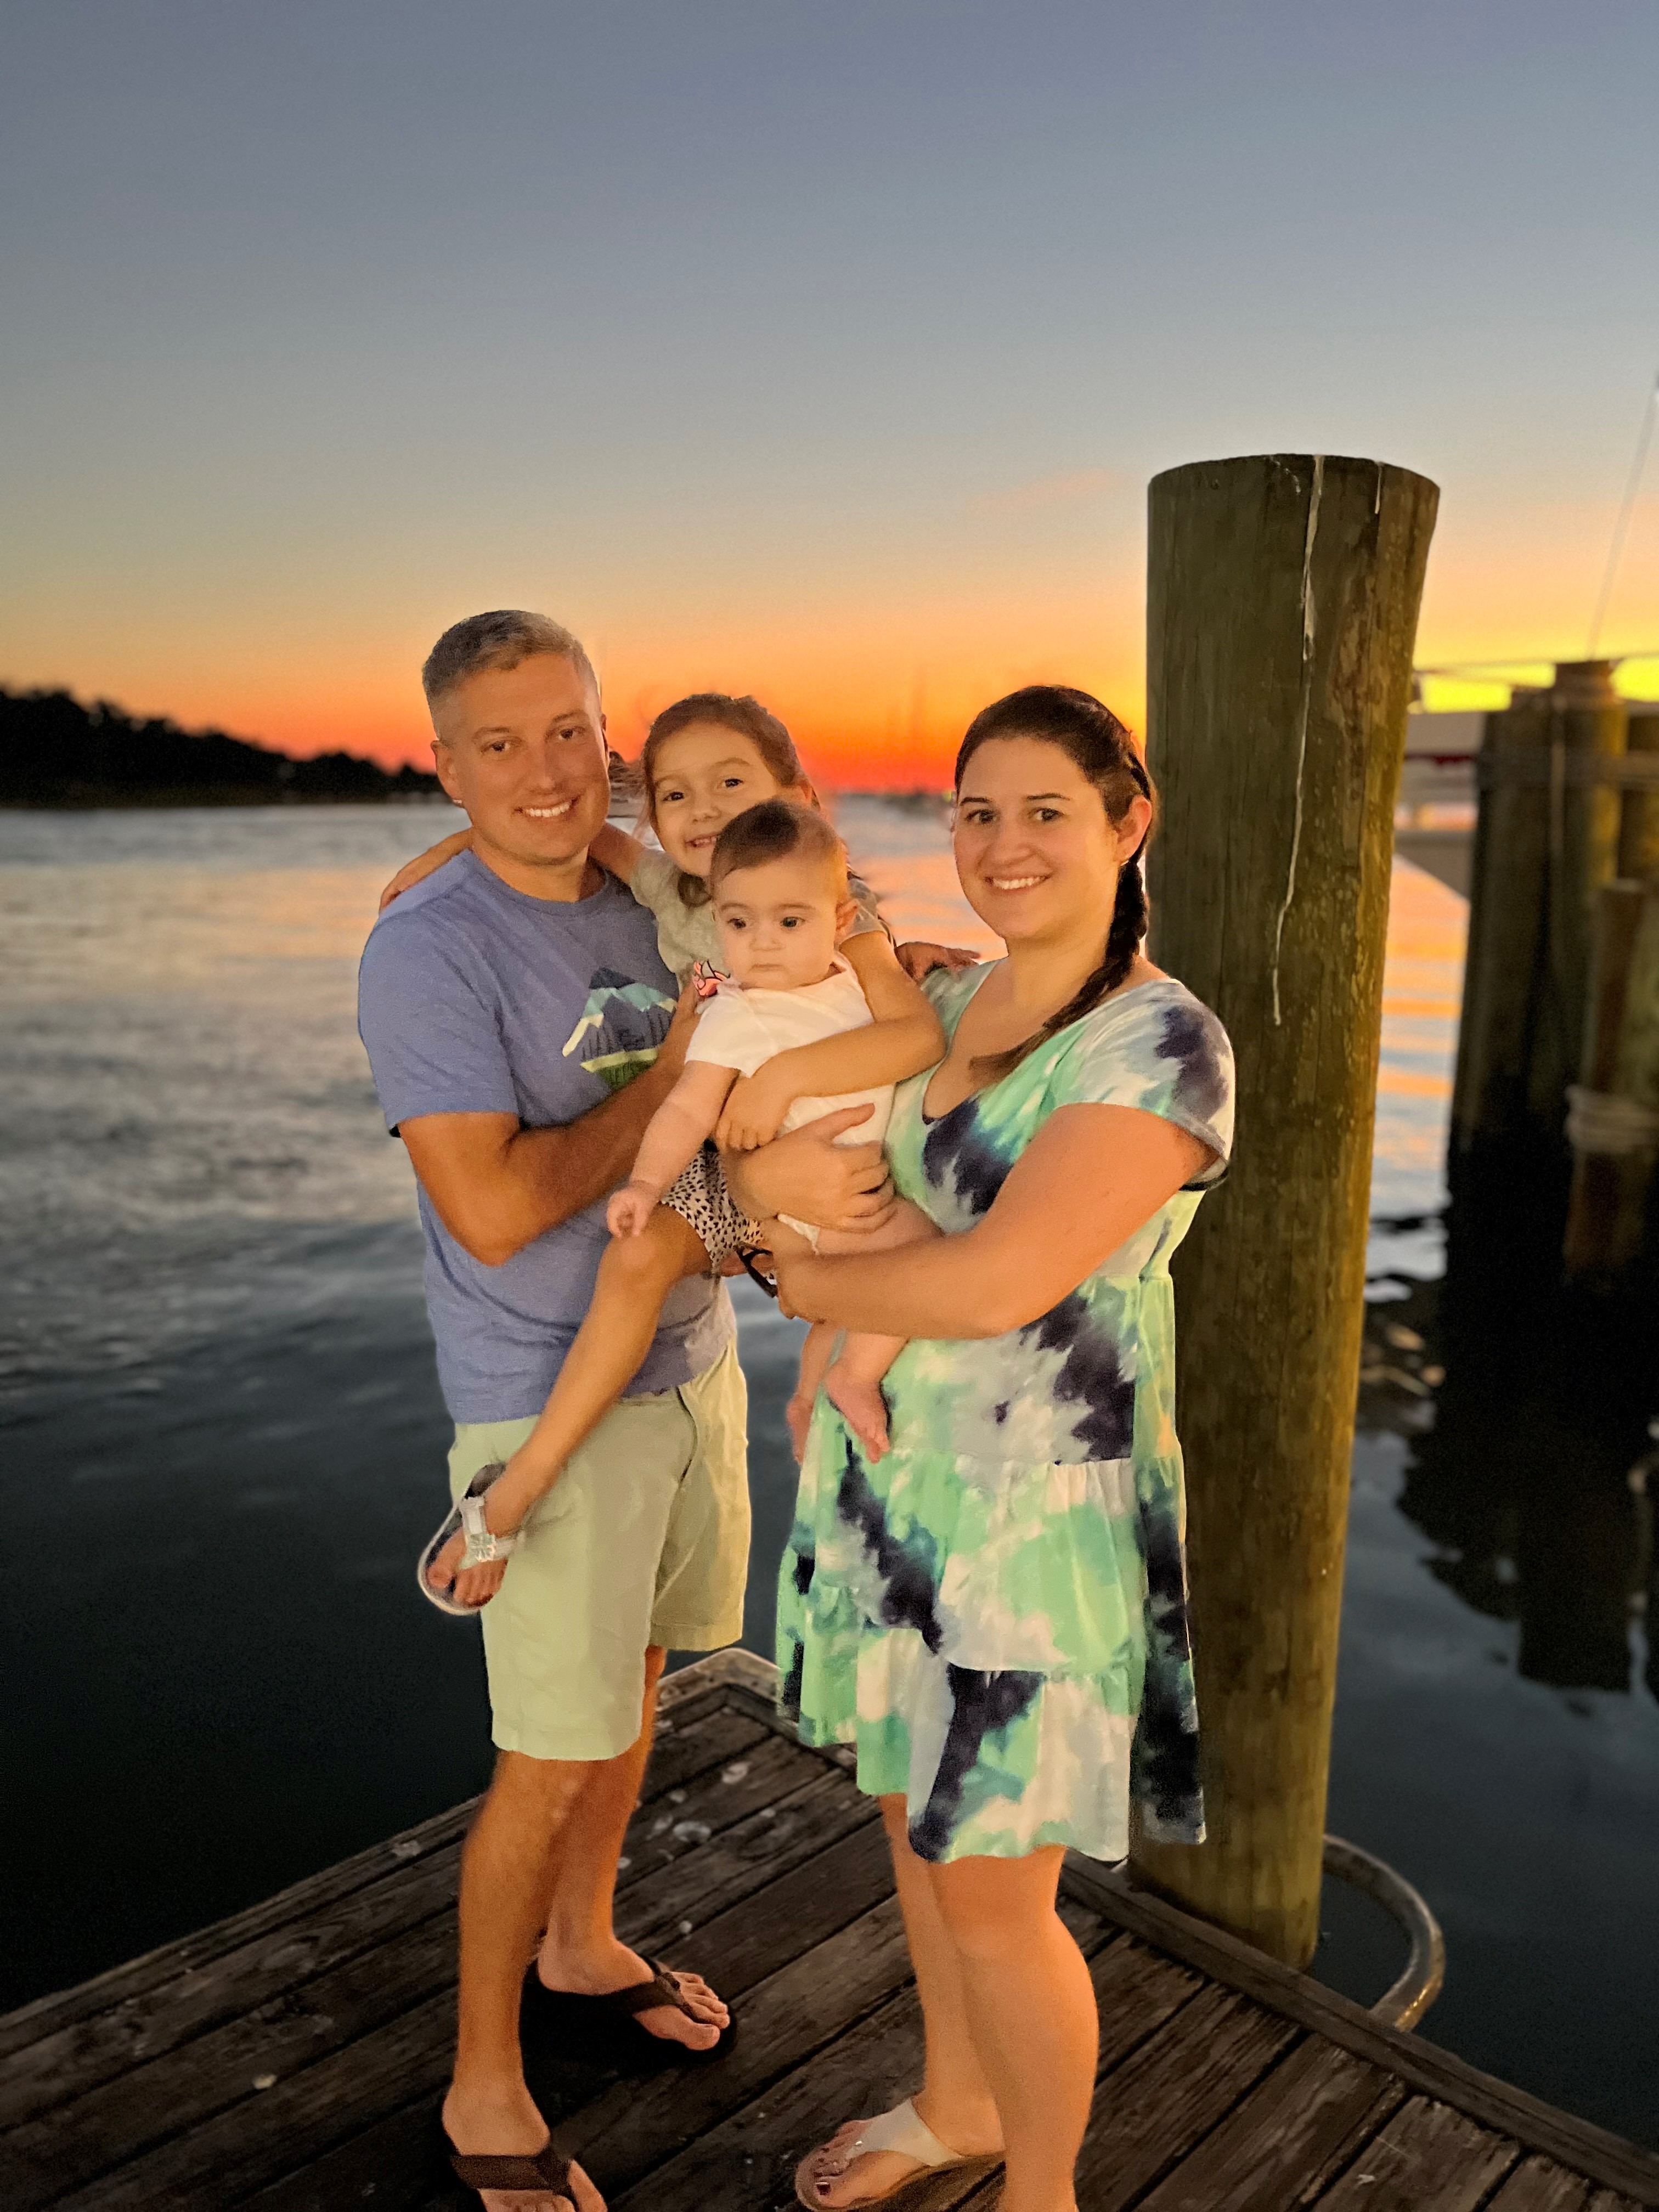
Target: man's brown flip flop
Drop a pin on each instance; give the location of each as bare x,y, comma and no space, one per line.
549,2169
616,2006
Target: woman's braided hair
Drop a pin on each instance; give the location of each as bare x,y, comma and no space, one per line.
1091,737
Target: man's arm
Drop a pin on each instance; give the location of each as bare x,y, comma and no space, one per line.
497,1186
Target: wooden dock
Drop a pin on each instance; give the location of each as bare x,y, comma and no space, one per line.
291,2058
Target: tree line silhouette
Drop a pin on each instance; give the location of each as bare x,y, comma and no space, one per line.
54,751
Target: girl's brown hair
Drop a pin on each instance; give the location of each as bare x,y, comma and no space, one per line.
1095,742
748,719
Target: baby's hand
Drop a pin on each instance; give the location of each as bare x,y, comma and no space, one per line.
754,1108
631,1209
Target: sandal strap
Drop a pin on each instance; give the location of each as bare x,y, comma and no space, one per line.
662,1988
548,2169
748,1255
482,1545
904,2131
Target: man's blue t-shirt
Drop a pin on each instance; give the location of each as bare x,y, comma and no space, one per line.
473,998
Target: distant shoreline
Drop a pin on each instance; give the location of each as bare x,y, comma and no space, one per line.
58,754
95,801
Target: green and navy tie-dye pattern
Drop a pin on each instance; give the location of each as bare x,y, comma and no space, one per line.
995,1612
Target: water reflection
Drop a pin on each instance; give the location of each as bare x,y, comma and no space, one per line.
1530,1416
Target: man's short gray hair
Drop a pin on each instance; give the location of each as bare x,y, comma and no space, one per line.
500,639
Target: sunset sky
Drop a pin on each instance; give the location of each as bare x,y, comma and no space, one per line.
822,350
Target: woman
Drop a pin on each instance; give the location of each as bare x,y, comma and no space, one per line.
994,1611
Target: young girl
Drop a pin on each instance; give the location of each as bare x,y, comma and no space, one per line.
708,759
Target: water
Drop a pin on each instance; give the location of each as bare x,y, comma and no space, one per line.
222,1445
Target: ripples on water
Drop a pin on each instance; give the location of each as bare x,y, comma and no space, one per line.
223,1442
185,1092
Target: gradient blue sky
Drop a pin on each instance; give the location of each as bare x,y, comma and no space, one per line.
823,350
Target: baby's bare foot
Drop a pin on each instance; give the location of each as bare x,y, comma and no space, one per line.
861,1405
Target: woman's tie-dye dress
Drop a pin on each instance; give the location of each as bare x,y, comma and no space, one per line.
994,1612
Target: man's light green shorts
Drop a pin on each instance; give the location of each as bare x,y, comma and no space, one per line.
644,1539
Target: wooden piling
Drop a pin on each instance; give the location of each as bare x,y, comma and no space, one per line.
1509,894
1547,839
1638,826
1614,1121
1282,603
1590,720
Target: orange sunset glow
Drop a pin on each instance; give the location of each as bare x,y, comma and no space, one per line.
833,369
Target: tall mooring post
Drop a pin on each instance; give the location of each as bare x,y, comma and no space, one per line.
1612,1116
1639,821
1547,840
1282,603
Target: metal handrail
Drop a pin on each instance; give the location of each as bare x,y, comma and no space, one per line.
1404,2003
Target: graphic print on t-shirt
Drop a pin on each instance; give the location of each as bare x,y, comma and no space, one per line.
616,1018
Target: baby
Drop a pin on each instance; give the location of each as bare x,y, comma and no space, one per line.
782,903
708,759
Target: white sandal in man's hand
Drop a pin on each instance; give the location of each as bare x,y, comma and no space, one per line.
464,1541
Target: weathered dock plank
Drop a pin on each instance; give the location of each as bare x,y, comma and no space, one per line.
1288,2139
1226,2083
64,2044
1427,2158
1574,2143
1537,2184
1169,2093
628,2125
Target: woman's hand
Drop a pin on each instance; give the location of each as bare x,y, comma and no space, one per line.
920,958
755,1111
810,1175
630,1209
425,864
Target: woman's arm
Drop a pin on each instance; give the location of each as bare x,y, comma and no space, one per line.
1090,1177
671,1139
905,1036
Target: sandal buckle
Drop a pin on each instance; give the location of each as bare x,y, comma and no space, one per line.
482,1545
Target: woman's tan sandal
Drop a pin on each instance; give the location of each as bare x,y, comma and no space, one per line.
903,2132
547,2170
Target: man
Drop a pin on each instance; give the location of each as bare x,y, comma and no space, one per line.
522,1031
